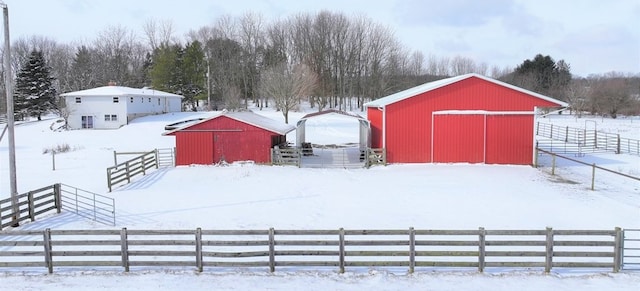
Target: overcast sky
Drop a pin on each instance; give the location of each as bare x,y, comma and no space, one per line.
593,36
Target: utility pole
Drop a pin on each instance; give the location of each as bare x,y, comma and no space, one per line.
8,79
208,86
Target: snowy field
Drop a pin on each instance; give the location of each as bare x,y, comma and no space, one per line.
247,196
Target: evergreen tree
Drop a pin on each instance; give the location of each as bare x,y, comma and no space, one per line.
34,94
165,62
544,75
193,73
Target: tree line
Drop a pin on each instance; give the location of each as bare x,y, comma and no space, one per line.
334,60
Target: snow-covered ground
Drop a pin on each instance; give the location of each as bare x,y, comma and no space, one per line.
247,196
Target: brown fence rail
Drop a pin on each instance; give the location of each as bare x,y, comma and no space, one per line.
271,249
376,157
123,172
30,205
286,156
583,140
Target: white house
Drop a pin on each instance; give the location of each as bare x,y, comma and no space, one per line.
111,107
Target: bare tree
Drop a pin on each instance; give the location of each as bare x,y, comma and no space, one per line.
114,48
577,96
286,85
158,33
610,93
251,32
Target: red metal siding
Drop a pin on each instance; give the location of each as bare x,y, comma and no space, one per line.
510,139
223,138
458,139
194,148
375,118
408,122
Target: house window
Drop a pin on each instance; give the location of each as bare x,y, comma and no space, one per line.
78,100
131,99
158,101
149,99
116,100
110,117
141,99
87,121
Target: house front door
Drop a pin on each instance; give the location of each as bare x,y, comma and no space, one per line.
87,121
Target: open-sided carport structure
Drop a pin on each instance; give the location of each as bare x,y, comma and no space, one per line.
345,156
468,118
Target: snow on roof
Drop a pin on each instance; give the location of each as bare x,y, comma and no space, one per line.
393,98
247,117
332,111
120,91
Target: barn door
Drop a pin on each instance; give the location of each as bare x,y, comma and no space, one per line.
218,148
458,138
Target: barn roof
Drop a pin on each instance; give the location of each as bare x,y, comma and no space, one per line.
119,91
393,98
247,117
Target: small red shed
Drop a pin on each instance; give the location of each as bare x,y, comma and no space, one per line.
468,118
229,137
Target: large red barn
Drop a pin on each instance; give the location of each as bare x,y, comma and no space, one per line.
468,118
229,137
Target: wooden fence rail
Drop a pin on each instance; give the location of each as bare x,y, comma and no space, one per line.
123,172
270,249
30,205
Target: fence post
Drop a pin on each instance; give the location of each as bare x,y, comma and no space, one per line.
535,156
412,249
553,164
341,249
109,179
53,159
199,249
566,135
549,251
48,260
57,196
272,250
127,170
617,251
115,158
618,145
124,249
156,152
593,176
30,206
481,249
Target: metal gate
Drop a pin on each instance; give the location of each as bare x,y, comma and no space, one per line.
166,157
631,250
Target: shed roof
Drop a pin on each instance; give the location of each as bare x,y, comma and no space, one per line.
331,111
393,98
120,91
247,117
